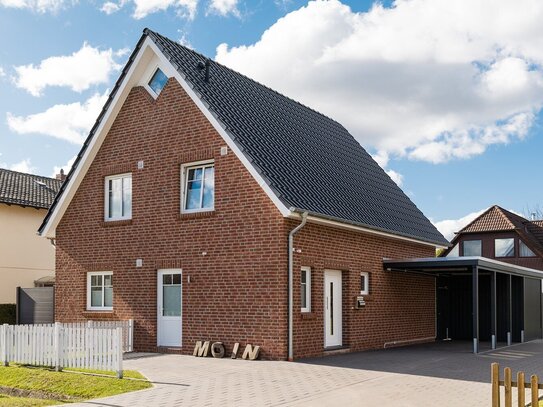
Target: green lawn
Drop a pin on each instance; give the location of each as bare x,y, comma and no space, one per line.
67,386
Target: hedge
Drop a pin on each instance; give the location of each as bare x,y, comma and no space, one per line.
7,314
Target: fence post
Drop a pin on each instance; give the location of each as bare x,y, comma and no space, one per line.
130,335
58,346
507,385
119,353
495,377
535,390
4,332
520,389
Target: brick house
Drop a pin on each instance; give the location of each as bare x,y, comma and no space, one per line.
206,206
502,235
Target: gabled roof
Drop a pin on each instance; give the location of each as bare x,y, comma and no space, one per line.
309,161
498,219
17,188
494,219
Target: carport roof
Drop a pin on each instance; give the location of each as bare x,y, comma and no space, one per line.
437,265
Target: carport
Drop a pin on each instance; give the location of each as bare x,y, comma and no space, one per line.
481,299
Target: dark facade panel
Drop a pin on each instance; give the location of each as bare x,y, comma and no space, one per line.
36,305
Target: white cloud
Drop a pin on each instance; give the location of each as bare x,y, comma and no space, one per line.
39,6
396,177
2,72
448,227
467,75
23,166
224,7
69,122
109,7
78,71
66,167
183,8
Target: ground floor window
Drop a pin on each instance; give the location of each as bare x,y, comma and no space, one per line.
100,291
305,289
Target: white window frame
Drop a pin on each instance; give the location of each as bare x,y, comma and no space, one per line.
306,270
106,197
366,289
89,294
150,77
184,181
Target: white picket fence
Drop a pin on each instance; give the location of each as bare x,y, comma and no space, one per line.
126,326
63,346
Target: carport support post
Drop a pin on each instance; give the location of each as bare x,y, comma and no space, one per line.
475,292
493,308
509,309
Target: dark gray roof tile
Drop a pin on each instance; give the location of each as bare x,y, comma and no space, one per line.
17,188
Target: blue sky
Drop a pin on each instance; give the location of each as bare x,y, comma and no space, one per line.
449,106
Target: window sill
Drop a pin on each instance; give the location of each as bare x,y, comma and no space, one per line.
120,222
308,315
196,215
91,313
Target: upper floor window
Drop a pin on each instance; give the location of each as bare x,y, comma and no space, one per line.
158,81
524,251
305,289
504,247
118,197
472,247
100,291
198,187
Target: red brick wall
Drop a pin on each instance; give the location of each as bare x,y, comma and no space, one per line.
487,240
238,291
399,307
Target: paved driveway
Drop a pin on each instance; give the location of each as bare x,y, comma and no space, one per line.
444,374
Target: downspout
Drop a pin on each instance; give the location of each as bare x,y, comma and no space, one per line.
290,286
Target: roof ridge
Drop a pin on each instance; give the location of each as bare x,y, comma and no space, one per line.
148,31
474,220
29,174
508,215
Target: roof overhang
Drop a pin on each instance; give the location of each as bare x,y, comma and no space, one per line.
453,265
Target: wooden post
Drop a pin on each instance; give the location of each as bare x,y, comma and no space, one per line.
495,377
58,347
535,391
520,388
4,343
119,353
507,385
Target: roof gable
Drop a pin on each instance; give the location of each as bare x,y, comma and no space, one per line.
305,161
17,188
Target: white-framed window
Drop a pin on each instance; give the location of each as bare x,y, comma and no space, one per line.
157,82
504,247
305,289
472,247
118,197
198,187
524,251
100,291
364,283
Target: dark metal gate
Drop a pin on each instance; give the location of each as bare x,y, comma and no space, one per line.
35,305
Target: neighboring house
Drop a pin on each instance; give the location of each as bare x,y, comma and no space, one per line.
501,235
178,210
26,260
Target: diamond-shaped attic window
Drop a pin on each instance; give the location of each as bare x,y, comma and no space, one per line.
158,81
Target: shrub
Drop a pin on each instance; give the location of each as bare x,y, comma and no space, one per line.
7,314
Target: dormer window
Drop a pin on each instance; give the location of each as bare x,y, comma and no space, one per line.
158,81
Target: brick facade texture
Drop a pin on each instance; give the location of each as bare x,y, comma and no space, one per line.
487,247
236,256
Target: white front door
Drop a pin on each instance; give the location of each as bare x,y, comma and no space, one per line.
169,289
332,308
